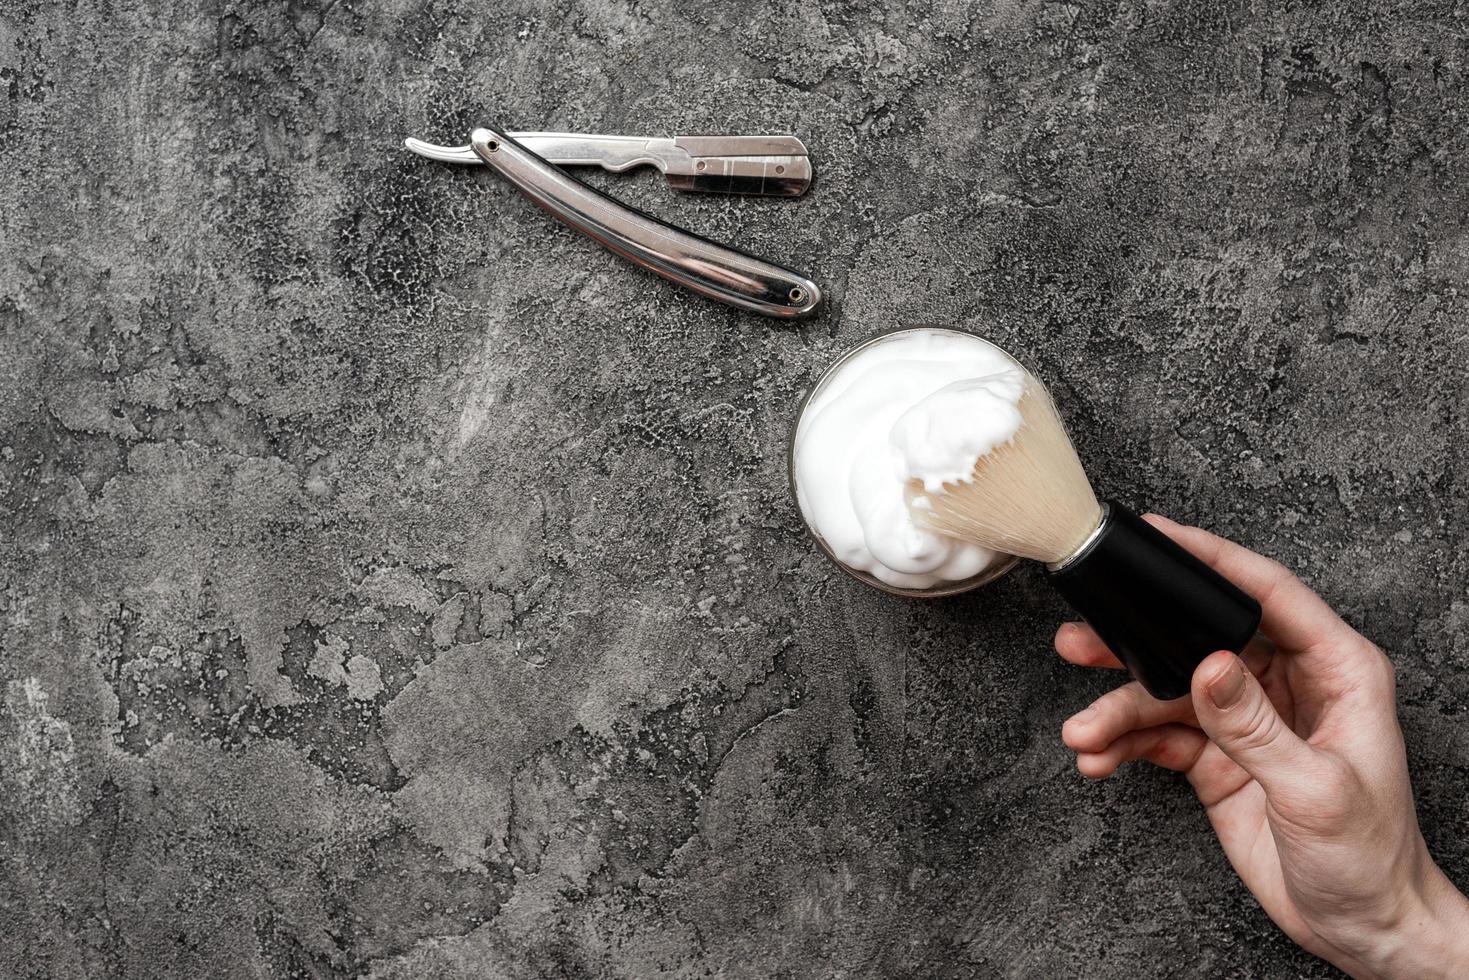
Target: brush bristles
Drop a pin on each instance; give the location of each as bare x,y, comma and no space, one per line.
1029,497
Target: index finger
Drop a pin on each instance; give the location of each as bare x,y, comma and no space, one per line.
1291,614
1078,643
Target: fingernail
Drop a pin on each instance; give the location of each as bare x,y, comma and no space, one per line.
1226,690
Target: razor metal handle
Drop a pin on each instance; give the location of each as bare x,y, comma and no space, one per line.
708,268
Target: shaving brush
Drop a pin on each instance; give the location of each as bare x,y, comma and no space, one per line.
1160,609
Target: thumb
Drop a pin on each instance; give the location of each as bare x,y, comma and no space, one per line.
1236,714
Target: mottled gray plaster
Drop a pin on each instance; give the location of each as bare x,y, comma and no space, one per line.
396,585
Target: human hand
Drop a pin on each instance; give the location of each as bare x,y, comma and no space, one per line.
1296,754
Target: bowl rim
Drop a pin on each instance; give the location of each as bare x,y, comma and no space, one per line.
985,577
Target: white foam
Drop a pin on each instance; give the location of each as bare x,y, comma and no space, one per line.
921,404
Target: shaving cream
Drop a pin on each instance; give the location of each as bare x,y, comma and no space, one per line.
919,404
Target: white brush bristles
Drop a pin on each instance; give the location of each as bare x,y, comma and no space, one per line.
1028,497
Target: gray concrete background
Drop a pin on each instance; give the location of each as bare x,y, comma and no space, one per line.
397,585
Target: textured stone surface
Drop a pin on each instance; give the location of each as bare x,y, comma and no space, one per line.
396,585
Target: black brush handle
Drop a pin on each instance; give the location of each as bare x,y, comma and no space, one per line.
1160,609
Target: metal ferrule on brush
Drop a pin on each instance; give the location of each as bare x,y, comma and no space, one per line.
1086,545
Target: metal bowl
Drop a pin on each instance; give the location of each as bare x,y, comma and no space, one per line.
935,591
